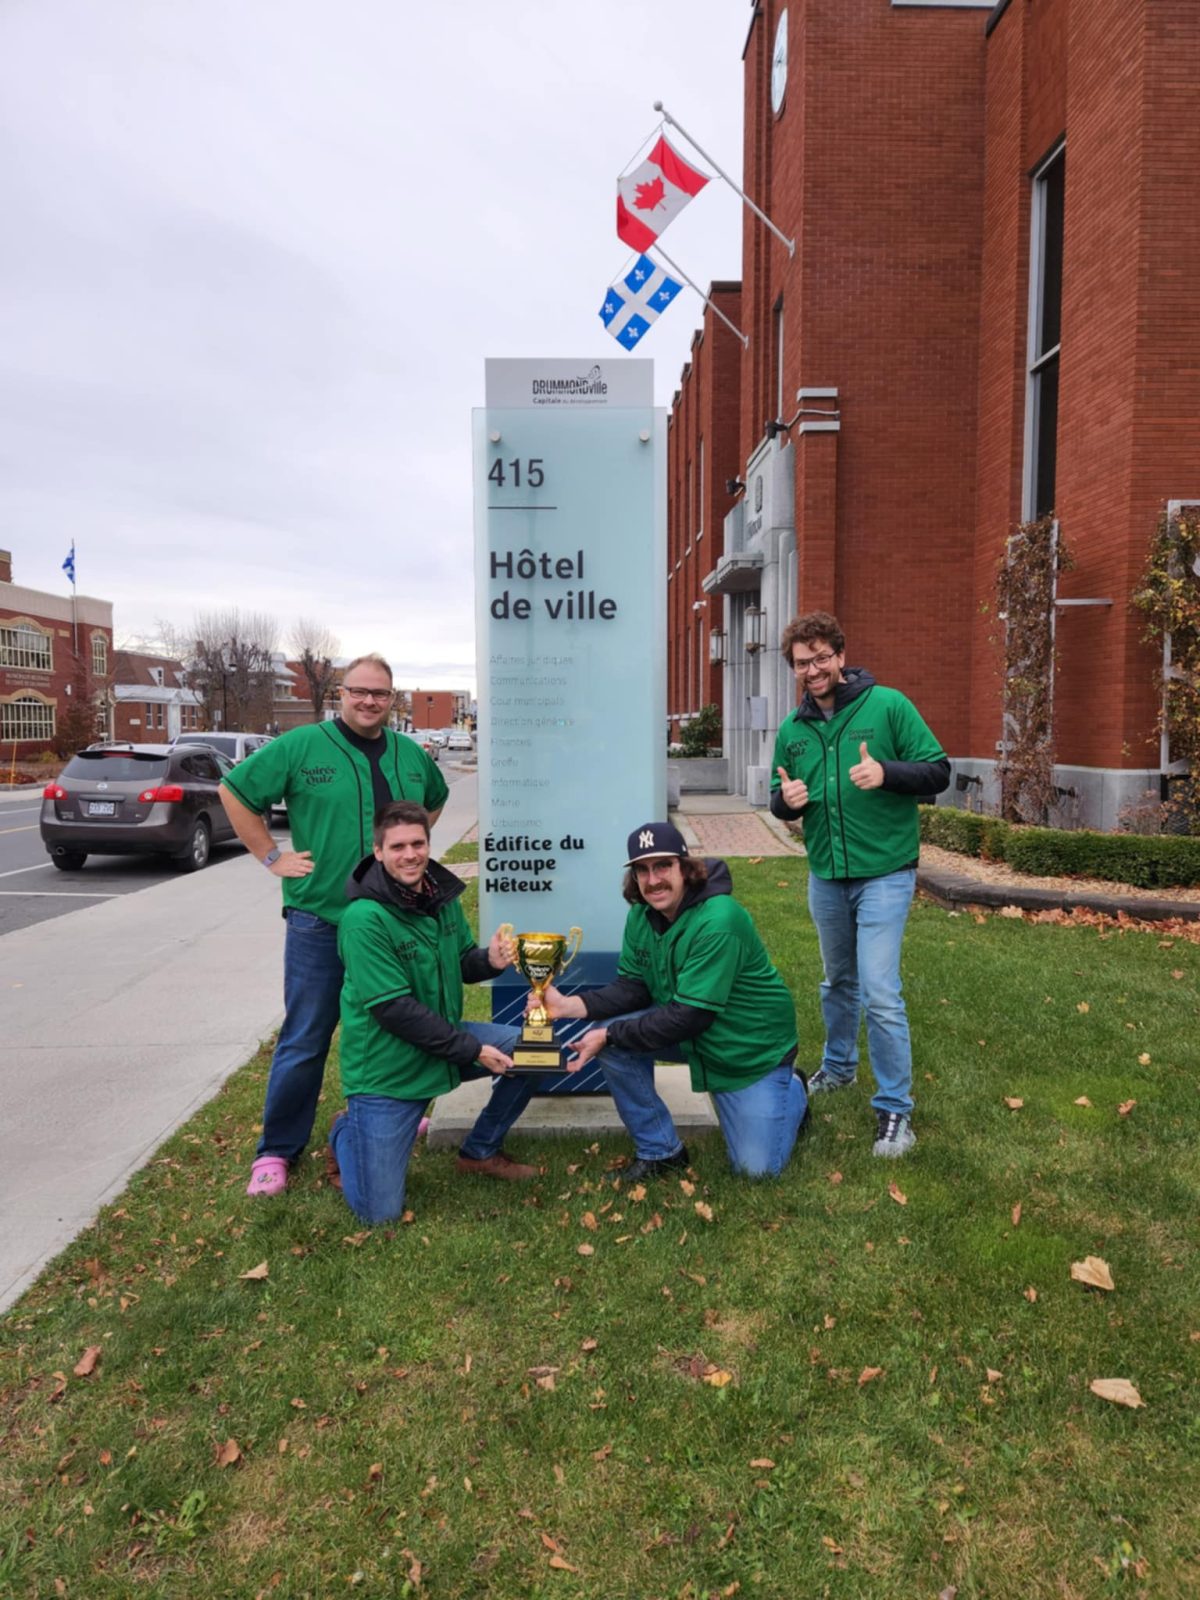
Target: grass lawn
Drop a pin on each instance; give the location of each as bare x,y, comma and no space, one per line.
867,1380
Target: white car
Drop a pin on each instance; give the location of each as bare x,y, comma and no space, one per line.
459,740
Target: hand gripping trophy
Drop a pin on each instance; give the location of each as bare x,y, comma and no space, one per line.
540,958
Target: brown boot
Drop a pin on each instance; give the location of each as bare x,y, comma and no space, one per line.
497,1166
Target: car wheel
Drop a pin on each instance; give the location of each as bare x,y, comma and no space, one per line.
69,860
198,846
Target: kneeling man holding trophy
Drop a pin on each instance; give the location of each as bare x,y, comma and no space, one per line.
408,951
694,983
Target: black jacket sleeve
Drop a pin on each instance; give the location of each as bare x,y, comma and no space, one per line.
665,1025
476,968
615,998
915,777
781,809
416,1024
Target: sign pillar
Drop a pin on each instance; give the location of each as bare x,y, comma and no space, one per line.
570,540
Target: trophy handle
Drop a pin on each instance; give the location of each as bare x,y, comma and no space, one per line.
505,930
576,935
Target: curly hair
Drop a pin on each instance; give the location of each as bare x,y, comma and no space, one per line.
694,872
814,627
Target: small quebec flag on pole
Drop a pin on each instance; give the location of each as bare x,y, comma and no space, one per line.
68,565
635,301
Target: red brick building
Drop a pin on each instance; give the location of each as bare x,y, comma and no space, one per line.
40,672
151,703
702,459
990,314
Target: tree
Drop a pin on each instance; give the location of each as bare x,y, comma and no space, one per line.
82,719
315,647
229,659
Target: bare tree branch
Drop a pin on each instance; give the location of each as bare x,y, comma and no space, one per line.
315,647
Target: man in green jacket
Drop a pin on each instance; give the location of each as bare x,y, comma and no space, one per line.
334,777
407,951
852,760
694,983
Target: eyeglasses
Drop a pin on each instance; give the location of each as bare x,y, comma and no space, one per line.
820,662
356,693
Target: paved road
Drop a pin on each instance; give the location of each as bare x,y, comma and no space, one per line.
32,889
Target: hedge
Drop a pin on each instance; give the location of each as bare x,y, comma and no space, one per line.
1158,862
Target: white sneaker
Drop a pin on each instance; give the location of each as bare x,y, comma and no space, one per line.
895,1135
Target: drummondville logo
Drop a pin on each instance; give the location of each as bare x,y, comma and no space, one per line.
585,385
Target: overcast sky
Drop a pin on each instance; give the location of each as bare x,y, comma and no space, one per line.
256,251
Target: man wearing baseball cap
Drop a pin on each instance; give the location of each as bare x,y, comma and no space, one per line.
694,983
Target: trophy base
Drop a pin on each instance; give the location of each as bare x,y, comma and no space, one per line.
537,1050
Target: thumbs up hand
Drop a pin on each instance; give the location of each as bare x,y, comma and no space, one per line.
793,790
866,773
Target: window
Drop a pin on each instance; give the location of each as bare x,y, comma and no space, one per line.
700,499
99,656
24,644
1045,330
156,676
26,717
777,396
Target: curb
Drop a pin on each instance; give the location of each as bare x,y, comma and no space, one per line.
954,892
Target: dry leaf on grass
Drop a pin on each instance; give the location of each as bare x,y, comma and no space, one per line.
1119,1390
993,1376
585,1249
718,1377
1031,1294
561,1564
550,1542
603,1453
1092,1271
1016,1215
638,1192
1083,1007
588,1220
356,1239
86,1364
256,1274
869,1374
560,1476
1012,1103
1083,1101
835,1177
763,1462
897,1193
689,1189
225,1455
1125,1107
1144,1059
589,1344
704,1210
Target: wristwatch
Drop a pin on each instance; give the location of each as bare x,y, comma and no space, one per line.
271,857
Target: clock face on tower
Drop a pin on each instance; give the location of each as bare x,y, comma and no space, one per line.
779,65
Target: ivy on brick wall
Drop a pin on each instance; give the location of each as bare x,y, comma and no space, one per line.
1169,595
1026,581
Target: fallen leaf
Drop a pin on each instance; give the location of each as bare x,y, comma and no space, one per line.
1084,1007
1083,1101
588,1220
589,1344
585,1249
356,1239
603,1453
897,1193
255,1275
762,1461
1009,911
1119,1390
835,1177
703,1210
1125,1107
1016,1215
1013,1104
726,1536
638,1192
1177,973
1144,1059
549,1542
718,1377
950,1592
830,1322
546,1382
993,1376
105,1458
86,1364
375,1472
1031,1294
689,1189
224,1455
562,1564
831,1545
560,1476
869,1374
1092,1271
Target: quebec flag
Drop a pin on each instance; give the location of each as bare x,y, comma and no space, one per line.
68,565
635,301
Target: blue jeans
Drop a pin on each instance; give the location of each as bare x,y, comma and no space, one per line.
312,990
373,1141
760,1123
860,925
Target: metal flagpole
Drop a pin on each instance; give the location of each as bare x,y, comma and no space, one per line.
745,198
716,310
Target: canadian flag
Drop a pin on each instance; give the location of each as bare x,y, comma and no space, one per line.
652,195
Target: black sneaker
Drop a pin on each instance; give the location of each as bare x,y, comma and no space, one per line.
655,1169
895,1135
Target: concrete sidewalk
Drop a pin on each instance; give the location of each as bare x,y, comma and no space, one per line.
118,1021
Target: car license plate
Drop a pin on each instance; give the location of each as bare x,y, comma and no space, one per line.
102,808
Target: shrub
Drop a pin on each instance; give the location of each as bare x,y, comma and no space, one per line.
702,733
1146,862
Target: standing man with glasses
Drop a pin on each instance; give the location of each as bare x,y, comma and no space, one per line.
852,760
334,777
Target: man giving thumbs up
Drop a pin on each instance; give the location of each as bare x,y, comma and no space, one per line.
853,759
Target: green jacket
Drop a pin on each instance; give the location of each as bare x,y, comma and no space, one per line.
390,952
326,784
849,832
711,956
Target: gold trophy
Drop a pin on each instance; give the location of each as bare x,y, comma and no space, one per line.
540,959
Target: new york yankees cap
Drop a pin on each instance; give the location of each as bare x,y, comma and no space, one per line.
655,839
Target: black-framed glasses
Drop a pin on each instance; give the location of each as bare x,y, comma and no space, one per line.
819,662
356,693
